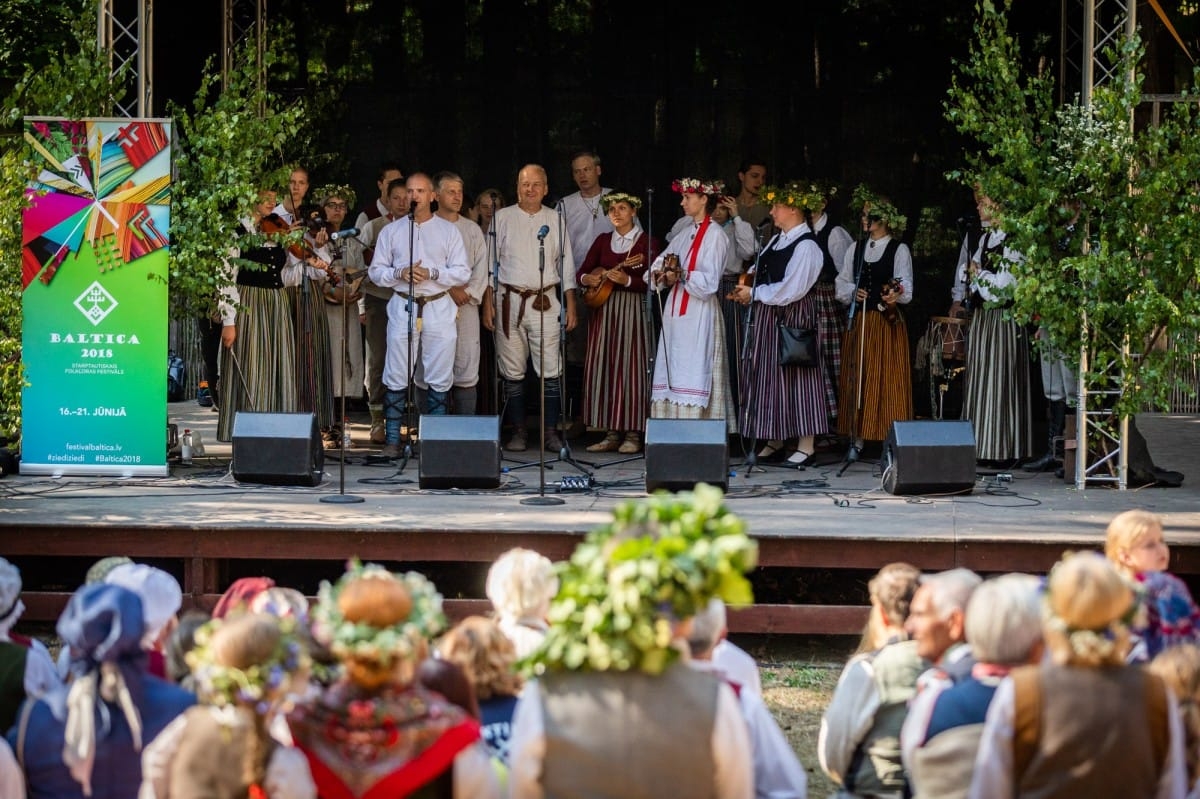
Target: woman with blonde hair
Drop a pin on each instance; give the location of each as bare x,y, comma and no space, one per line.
1082,722
246,669
488,658
1179,666
1135,545
520,585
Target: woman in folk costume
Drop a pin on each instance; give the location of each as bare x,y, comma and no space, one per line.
247,667
614,395
691,366
784,401
376,732
996,396
876,380
85,738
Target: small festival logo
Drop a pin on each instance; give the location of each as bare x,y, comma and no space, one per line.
95,303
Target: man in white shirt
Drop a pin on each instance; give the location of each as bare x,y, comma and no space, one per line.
420,257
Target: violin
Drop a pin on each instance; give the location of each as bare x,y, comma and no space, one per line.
744,279
275,225
670,267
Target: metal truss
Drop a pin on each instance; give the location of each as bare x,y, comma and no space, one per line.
1089,28
243,21
125,32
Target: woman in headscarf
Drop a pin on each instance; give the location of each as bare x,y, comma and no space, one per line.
25,665
376,730
85,738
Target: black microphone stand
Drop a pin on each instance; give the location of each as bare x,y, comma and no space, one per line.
541,498
565,410
341,497
748,325
860,268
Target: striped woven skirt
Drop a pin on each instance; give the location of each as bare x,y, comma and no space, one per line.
831,327
314,378
996,397
782,401
259,372
615,381
886,380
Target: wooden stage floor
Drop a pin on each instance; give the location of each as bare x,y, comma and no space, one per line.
821,535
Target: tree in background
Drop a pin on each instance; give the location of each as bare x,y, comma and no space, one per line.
1105,212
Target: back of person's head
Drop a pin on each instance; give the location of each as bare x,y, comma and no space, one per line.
520,584
1086,613
239,593
11,606
708,627
891,591
1004,620
451,681
1126,530
100,569
1179,666
160,593
281,602
179,643
102,623
951,590
487,656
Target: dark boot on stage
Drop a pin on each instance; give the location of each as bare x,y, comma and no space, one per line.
1054,431
514,411
464,399
436,402
393,417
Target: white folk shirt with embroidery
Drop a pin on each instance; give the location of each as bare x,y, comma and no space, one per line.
987,281
803,269
687,346
437,245
901,269
585,221
520,251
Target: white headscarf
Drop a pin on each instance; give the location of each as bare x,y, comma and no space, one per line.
11,606
160,594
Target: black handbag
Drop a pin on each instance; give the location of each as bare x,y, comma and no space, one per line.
797,346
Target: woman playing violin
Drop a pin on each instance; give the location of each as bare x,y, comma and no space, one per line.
614,383
258,360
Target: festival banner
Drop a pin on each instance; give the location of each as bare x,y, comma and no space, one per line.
94,297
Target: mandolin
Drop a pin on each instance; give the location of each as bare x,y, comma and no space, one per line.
595,296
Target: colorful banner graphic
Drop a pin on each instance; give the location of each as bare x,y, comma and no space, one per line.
94,281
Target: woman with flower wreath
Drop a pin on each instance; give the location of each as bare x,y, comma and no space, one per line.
876,379
614,384
246,669
1082,722
691,372
781,402
377,733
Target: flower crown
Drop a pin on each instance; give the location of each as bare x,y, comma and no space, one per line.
222,685
658,561
698,186
384,645
808,196
333,190
608,200
888,214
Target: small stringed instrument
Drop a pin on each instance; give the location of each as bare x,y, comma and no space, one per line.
276,226
889,311
744,279
597,295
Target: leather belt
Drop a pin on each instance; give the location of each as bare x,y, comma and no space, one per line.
542,303
421,302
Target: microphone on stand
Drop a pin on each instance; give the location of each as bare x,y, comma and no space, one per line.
543,232
349,232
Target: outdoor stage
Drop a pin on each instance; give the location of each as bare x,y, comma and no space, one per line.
820,535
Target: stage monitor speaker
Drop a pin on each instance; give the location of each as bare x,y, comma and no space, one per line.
683,452
460,452
929,457
277,448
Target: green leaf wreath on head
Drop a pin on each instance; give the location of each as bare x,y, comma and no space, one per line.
659,561
891,217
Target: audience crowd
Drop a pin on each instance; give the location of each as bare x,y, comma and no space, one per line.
607,675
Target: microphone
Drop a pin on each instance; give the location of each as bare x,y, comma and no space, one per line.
344,234
543,233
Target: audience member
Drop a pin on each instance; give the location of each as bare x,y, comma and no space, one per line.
1134,543
246,666
936,622
859,741
1082,723
12,781
520,585
181,641
85,739
378,625
100,569
777,771
734,663
26,668
1179,667
161,599
940,736
615,710
239,594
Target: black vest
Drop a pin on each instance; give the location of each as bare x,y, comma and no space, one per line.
772,264
829,269
877,273
271,277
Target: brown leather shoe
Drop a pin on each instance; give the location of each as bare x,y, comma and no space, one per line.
378,432
632,443
518,441
390,451
610,443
